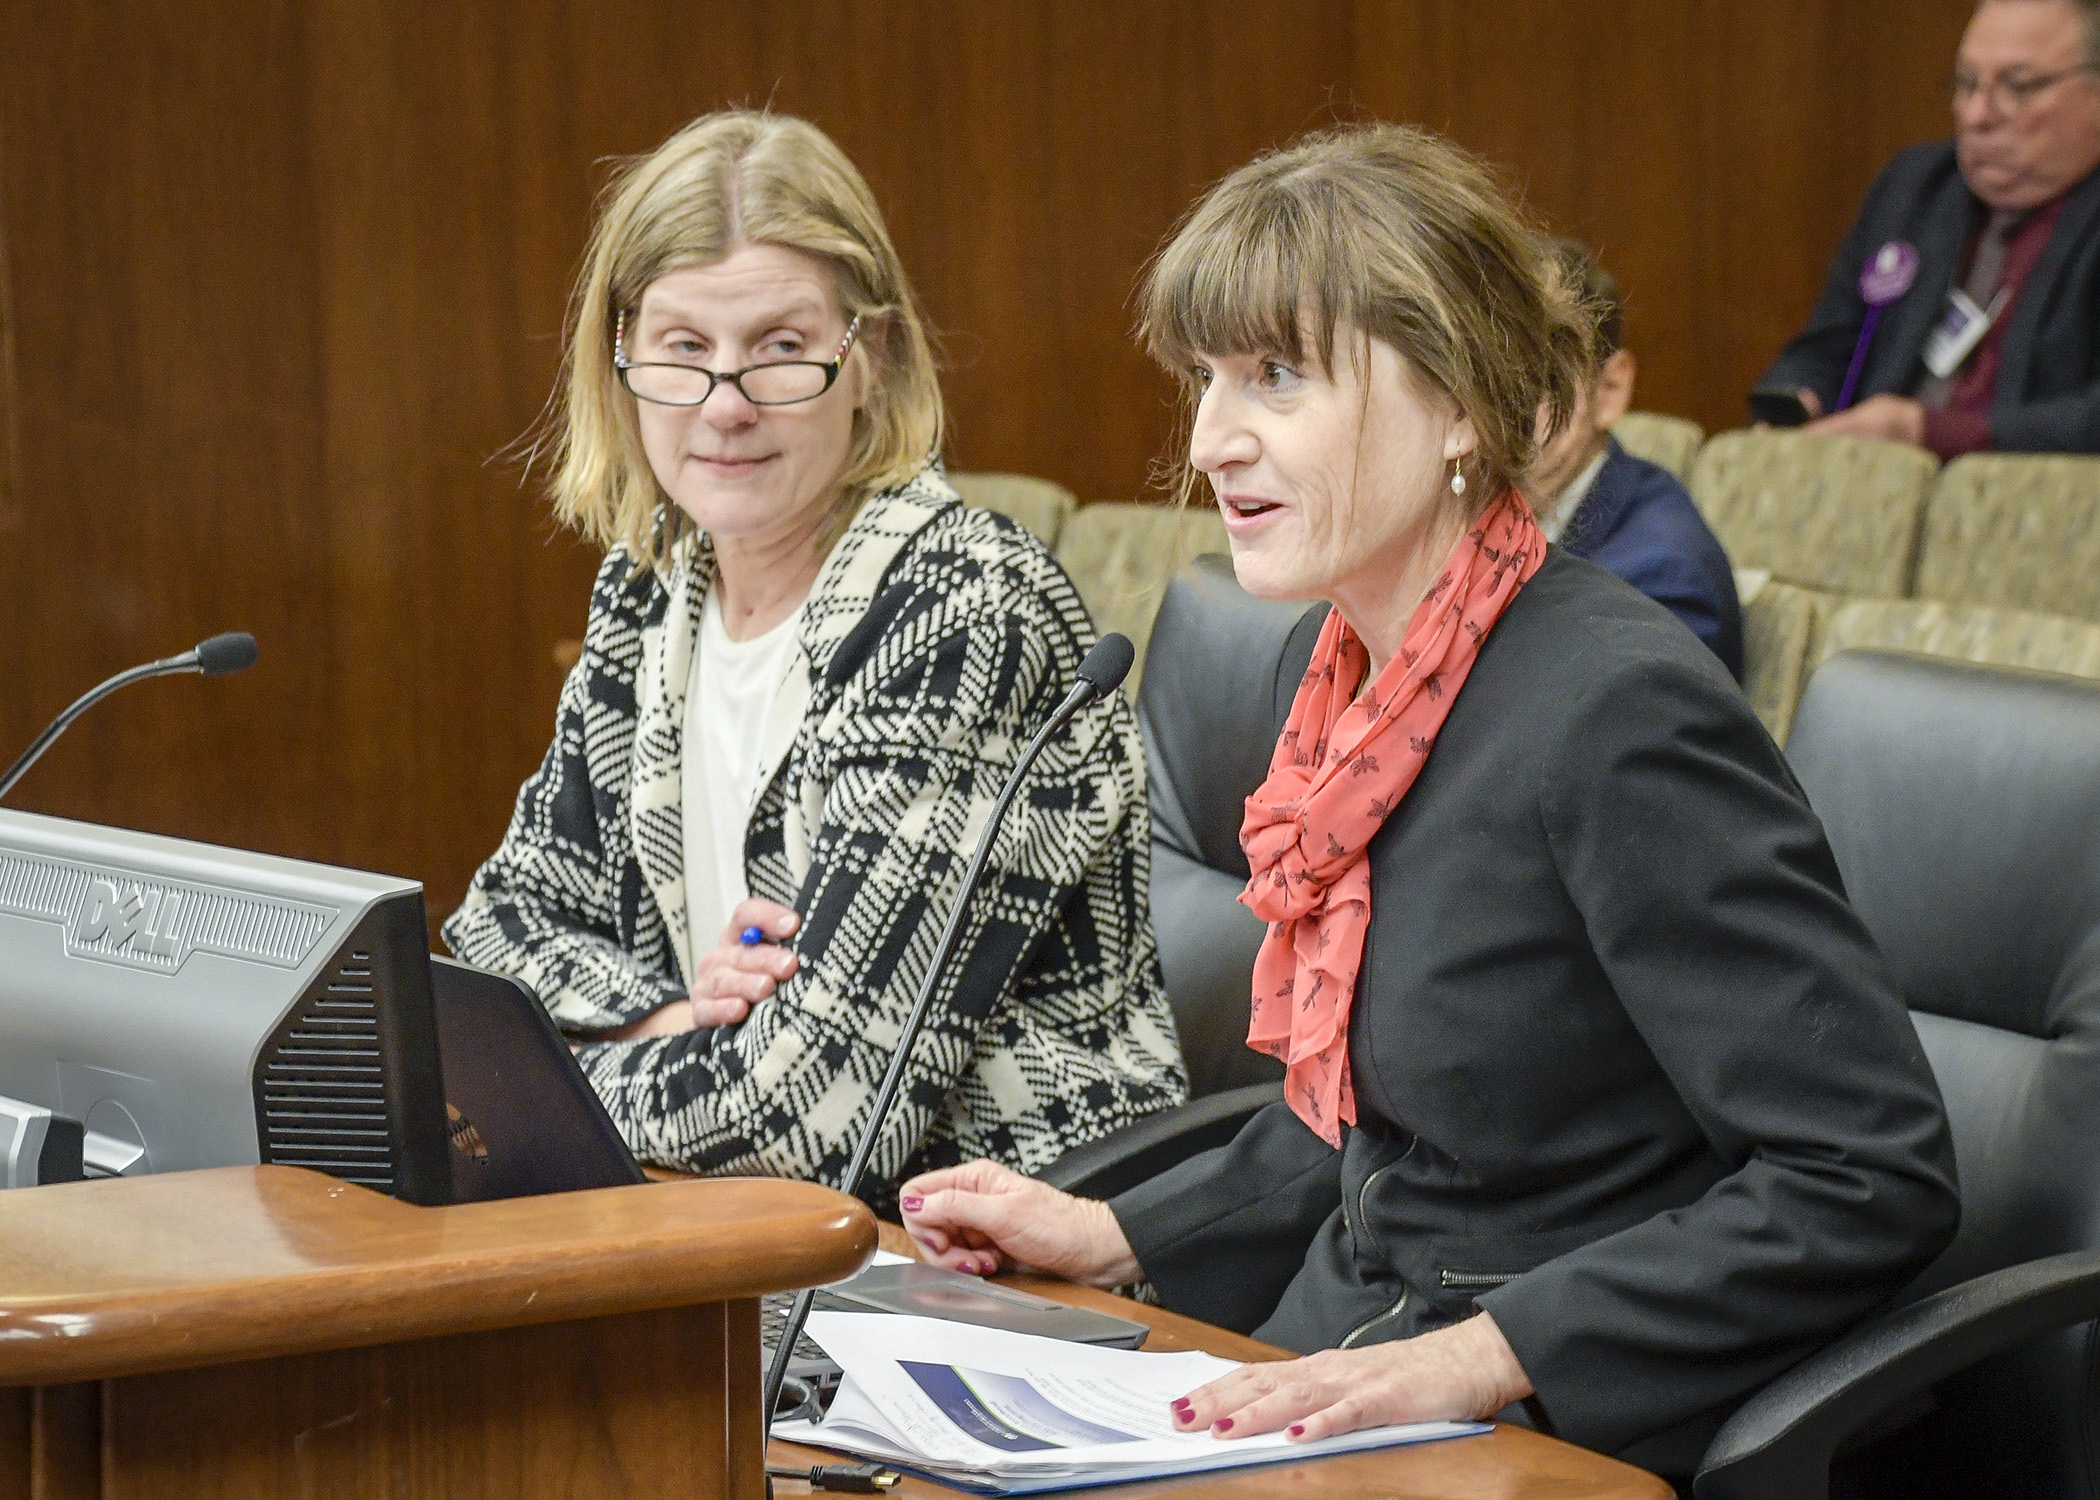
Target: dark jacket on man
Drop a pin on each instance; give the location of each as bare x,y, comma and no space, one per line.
2048,391
1638,523
1629,1072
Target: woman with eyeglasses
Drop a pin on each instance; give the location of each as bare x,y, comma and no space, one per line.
806,671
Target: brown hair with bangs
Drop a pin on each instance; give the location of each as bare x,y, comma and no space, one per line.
1391,233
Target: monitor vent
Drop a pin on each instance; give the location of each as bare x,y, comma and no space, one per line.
322,1085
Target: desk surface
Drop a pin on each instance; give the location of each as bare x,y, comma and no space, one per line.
138,1274
1510,1463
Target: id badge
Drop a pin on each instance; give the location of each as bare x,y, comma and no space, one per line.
1960,329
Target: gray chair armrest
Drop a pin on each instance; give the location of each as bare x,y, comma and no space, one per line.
1779,1444
1140,1152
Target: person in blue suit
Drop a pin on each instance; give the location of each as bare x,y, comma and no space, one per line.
1628,516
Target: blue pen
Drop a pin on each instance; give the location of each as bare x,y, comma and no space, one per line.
751,937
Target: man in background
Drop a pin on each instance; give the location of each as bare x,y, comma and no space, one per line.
1628,516
1995,342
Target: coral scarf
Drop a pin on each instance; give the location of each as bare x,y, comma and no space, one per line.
1341,766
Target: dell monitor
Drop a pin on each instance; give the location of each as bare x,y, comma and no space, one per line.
193,1006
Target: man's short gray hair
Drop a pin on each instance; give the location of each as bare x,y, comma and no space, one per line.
2088,12
2089,16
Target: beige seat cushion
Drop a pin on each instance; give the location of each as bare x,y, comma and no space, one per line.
1834,513
1779,630
2015,530
1038,504
1967,632
1672,442
1121,557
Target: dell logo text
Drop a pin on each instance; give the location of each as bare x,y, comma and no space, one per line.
141,920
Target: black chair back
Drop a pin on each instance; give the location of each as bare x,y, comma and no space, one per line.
1220,672
1963,804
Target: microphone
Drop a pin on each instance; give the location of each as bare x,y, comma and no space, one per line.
232,652
235,651
1105,667
1099,675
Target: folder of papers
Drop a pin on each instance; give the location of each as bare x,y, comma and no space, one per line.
1003,1413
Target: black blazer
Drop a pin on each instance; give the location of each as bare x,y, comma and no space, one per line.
1628,1070
1639,523
2048,393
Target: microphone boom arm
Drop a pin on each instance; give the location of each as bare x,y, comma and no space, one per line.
83,703
1083,693
232,652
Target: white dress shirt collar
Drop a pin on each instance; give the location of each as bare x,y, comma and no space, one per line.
1555,521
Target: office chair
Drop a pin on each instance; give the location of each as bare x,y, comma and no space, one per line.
1222,669
1963,804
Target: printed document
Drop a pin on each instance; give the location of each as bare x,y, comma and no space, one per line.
1010,1413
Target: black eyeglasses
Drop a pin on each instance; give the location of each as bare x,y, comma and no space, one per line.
781,383
2008,96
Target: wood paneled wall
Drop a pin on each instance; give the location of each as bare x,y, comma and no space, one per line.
280,283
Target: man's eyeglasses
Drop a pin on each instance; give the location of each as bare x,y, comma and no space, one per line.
2008,96
781,383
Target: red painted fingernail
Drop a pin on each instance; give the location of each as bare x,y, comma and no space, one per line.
1184,1416
1224,1424
1297,1429
913,1205
1179,1403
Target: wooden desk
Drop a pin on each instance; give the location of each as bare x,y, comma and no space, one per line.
266,1331
1510,1463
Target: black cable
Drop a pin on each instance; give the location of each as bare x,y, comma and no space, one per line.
842,1479
809,1401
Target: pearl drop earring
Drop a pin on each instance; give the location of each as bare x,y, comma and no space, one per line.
1458,478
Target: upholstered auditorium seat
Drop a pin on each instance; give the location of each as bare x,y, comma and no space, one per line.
1672,442
1964,632
1121,556
1839,514
1039,504
2015,530
1963,804
1217,690
1218,687
1779,628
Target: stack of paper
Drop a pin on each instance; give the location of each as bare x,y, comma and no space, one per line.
1010,1414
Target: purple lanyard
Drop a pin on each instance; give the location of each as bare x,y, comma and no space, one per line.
1886,276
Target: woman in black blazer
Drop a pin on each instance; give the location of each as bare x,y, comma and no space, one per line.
1629,1118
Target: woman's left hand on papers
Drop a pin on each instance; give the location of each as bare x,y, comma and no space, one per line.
1452,1375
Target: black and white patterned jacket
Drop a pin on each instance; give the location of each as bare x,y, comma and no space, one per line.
935,641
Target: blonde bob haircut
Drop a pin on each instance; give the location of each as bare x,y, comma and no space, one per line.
735,177
1390,233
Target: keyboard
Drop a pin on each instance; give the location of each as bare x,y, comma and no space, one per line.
773,1312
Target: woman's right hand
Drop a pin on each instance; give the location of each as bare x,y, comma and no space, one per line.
733,975
980,1216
